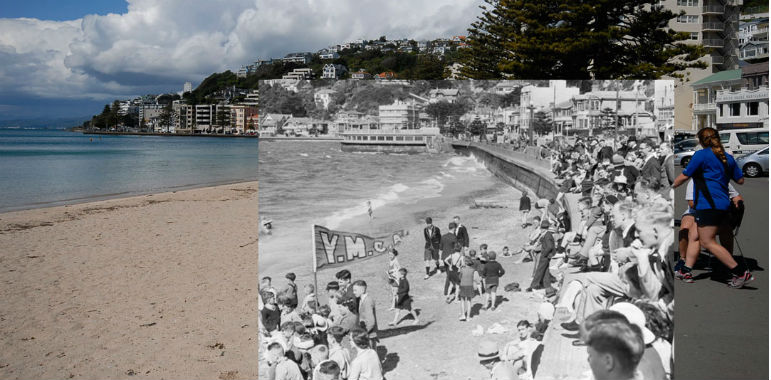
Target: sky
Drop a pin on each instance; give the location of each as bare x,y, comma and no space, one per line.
69,58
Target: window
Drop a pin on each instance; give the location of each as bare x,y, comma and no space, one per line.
389,138
752,138
688,3
752,108
688,19
724,138
380,138
695,36
763,152
734,109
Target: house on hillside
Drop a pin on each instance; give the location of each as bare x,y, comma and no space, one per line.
333,71
449,95
323,97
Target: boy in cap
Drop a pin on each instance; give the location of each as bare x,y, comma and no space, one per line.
433,242
542,278
490,359
491,273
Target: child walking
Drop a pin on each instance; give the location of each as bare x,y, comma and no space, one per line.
403,299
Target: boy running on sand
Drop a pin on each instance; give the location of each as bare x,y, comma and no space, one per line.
403,299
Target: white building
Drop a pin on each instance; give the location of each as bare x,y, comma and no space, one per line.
399,115
323,97
449,95
187,87
597,109
533,99
333,71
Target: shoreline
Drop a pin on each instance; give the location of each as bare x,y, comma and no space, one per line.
134,286
123,195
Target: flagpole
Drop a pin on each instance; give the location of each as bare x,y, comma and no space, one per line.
315,279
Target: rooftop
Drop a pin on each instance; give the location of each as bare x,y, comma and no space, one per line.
722,76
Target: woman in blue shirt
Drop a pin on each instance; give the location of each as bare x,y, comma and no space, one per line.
714,169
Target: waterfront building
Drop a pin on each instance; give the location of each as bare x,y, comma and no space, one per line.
533,98
664,105
755,29
563,116
754,50
187,87
732,99
595,110
399,115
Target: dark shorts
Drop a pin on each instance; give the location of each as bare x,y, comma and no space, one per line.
705,218
430,254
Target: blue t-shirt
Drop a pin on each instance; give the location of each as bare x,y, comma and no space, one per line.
715,176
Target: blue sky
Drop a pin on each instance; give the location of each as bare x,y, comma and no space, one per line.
60,10
68,58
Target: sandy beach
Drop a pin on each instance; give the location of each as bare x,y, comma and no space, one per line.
160,286
441,346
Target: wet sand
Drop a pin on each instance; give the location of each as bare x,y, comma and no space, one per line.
154,287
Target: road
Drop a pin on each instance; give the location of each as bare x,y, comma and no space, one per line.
722,333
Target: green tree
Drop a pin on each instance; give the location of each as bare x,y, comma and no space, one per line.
485,40
166,116
444,112
576,39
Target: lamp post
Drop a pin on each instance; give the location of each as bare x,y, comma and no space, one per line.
531,107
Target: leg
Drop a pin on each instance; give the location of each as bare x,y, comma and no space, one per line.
693,246
726,235
396,317
707,239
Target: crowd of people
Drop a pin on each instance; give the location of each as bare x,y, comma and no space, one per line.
608,276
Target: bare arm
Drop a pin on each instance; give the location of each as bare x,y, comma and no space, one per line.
682,178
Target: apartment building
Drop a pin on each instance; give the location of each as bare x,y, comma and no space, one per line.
715,25
732,99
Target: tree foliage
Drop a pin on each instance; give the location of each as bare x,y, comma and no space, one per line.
576,39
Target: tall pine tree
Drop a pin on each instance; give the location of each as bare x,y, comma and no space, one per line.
576,39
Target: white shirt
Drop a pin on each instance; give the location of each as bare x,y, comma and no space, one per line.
366,366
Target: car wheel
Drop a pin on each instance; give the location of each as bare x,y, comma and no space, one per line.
684,161
752,170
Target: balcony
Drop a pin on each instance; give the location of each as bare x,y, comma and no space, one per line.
712,43
713,9
704,107
713,26
718,60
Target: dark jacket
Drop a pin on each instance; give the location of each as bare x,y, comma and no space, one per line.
448,244
651,171
435,239
548,247
462,235
492,271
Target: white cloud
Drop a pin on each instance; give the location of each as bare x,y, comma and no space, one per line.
160,44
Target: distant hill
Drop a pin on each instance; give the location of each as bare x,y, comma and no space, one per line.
42,123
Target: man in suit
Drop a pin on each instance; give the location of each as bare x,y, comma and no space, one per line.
461,234
433,242
367,316
651,170
542,278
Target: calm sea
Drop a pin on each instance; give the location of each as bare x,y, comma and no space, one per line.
306,183
41,168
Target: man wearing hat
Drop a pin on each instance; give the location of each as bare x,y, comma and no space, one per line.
542,278
490,359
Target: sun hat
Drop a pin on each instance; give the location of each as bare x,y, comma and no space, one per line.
635,317
319,322
546,311
488,352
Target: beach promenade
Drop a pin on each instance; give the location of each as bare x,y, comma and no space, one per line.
149,287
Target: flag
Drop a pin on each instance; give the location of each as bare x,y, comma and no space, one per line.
338,248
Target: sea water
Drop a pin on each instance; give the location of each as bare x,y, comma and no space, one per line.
307,183
40,168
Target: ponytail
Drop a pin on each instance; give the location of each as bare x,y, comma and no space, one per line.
709,138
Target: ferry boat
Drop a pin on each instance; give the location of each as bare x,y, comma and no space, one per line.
421,140
400,127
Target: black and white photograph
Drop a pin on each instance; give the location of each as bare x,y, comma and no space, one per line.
466,229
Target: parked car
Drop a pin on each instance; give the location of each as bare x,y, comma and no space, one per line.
754,164
684,150
743,141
